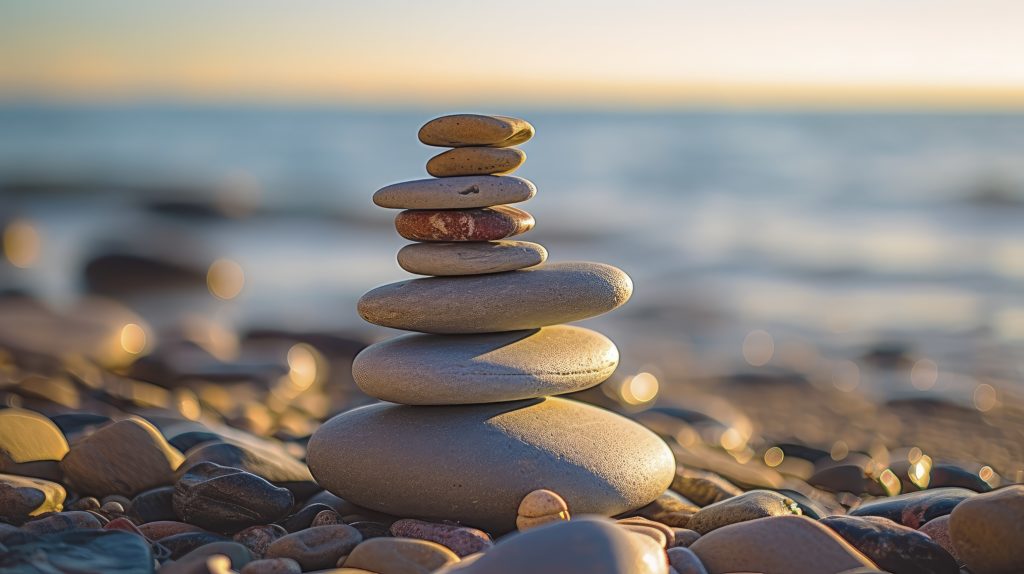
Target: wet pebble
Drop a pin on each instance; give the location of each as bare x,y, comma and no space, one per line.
22,497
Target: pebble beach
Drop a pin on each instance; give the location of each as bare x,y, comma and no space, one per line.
491,436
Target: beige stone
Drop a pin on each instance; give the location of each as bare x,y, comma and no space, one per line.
474,463
400,556
464,161
539,296
465,369
987,531
461,130
472,258
777,545
541,507
464,192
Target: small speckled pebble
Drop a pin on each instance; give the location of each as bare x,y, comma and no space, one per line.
541,507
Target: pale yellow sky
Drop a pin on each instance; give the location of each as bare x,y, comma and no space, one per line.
928,52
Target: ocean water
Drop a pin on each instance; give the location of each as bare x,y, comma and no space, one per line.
835,232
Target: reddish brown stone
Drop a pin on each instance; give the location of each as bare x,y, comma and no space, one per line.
487,224
461,540
164,528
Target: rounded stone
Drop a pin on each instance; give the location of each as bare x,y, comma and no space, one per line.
471,258
915,508
463,192
30,444
747,506
272,566
318,547
461,130
400,556
227,499
988,531
462,540
474,464
486,224
545,295
893,546
589,544
464,161
467,369
22,497
777,544
126,458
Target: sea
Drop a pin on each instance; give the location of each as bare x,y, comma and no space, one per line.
752,236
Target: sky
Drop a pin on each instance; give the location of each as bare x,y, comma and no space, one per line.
927,52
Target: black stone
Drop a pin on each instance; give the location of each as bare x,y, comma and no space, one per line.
893,547
152,505
181,544
303,518
80,552
915,508
224,499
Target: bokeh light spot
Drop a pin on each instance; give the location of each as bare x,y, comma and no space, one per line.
21,243
640,388
758,348
924,374
225,279
773,457
133,338
846,376
985,397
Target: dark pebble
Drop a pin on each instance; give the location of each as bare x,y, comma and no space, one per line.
258,538
893,547
153,505
270,463
302,519
181,544
80,552
371,529
62,521
228,499
189,439
915,508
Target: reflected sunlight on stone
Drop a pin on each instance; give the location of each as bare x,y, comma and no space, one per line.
225,279
21,243
774,456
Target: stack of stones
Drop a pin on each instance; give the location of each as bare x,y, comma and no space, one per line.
476,426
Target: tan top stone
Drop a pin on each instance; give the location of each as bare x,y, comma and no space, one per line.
476,161
461,130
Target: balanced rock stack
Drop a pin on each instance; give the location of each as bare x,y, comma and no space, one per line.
476,427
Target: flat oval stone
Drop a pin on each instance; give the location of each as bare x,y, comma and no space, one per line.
474,464
460,130
465,369
544,295
476,161
472,258
464,192
485,224
126,458
400,555
777,544
988,530
227,499
587,544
